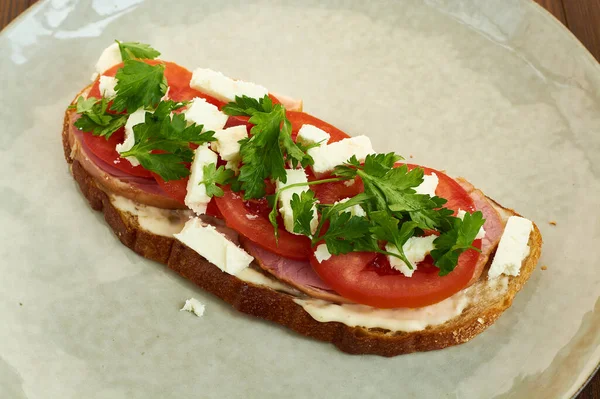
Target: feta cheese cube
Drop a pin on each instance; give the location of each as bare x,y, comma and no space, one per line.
204,113
513,248
107,86
354,210
222,87
214,246
194,306
309,135
110,57
196,198
430,183
415,249
331,155
322,253
294,176
136,118
227,142
461,215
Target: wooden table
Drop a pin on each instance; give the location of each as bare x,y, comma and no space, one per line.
582,17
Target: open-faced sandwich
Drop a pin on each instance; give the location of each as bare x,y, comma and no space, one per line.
286,217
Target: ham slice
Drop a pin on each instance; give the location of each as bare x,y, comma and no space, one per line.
493,226
297,273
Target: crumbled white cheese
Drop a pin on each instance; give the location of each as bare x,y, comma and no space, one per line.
480,234
233,165
214,246
196,198
110,57
222,87
193,305
329,156
250,216
294,176
415,249
322,253
513,248
107,86
354,210
309,135
430,183
135,118
204,113
227,144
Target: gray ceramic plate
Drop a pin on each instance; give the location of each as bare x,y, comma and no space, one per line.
496,91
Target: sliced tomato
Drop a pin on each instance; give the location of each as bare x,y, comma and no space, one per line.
237,121
176,189
300,118
328,193
449,189
178,79
105,150
366,277
251,222
213,210
353,277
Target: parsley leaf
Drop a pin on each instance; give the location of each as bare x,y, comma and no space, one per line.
274,199
131,50
451,244
294,153
248,106
303,210
397,212
344,230
262,157
392,190
214,176
264,152
139,85
385,228
162,142
94,118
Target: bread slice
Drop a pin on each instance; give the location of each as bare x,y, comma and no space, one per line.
279,305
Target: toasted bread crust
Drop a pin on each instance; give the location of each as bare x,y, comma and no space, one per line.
280,307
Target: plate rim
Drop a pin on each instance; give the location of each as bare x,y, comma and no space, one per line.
534,6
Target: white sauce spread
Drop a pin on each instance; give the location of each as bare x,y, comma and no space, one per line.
162,222
255,277
399,319
167,222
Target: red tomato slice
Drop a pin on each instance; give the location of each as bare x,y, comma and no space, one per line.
258,229
449,189
176,189
105,150
361,277
237,121
300,118
328,193
178,79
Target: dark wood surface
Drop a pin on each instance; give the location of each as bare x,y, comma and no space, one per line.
582,17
